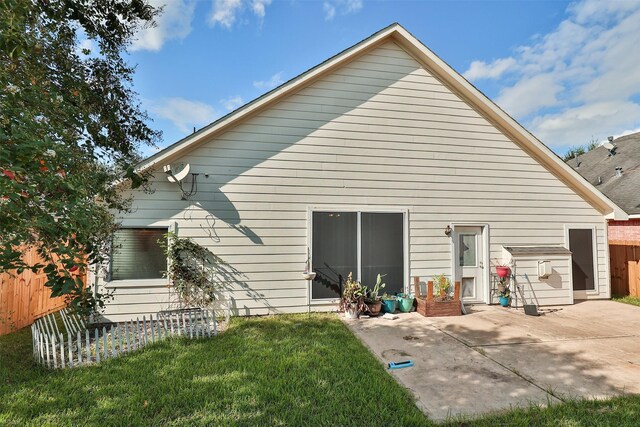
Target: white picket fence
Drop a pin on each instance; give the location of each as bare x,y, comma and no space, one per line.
78,346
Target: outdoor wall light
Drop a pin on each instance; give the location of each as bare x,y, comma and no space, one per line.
447,231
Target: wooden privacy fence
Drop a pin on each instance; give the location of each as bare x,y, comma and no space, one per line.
24,297
625,267
79,346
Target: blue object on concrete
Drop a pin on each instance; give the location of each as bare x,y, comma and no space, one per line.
398,365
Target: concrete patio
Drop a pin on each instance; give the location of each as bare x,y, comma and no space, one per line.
495,358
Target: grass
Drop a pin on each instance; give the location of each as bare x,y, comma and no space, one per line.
282,370
627,300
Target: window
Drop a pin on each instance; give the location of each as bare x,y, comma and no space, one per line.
467,246
136,254
363,243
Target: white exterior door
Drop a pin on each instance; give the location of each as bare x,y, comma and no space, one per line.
469,263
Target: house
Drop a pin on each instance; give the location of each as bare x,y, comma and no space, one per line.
381,159
615,170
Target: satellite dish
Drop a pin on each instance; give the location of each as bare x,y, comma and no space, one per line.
609,146
177,177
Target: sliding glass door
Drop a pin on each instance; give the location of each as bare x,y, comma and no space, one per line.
335,252
363,243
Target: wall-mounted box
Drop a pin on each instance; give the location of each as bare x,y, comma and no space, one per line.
544,269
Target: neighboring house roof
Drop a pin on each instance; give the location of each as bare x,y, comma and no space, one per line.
599,168
438,68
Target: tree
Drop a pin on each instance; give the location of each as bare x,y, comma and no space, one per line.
579,150
70,127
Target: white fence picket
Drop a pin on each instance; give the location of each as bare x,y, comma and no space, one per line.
70,345
104,340
87,346
53,349
153,335
114,350
97,341
119,329
79,342
136,335
126,332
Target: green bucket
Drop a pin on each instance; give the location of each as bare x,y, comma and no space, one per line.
405,303
389,305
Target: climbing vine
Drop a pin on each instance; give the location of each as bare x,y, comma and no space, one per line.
191,270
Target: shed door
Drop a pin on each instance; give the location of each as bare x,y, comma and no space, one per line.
581,244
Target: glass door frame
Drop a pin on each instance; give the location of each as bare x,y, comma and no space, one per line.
359,210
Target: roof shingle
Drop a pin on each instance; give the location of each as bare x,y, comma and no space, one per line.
598,165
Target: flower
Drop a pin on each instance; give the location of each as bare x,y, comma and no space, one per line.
50,153
12,89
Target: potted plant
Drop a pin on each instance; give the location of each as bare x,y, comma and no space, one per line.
372,298
389,303
502,268
352,300
439,300
502,284
405,302
504,296
442,286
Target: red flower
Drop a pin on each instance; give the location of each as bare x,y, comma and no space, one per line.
9,174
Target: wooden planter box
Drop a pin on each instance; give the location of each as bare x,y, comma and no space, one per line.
429,306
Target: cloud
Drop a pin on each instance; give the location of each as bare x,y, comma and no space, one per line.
259,7
232,102
183,113
529,95
343,7
577,81
275,80
482,70
174,22
226,12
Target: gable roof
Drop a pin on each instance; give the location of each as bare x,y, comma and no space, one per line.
430,61
597,165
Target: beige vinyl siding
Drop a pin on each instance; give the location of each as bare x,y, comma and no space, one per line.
379,132
554,290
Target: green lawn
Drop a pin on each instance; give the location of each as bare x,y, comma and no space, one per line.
284,370
281,370
627,300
